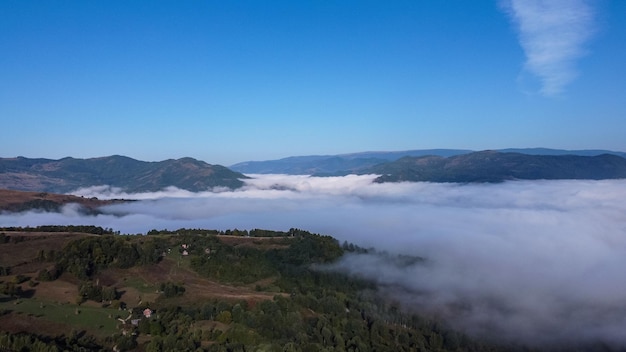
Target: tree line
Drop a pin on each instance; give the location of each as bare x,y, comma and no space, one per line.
91,229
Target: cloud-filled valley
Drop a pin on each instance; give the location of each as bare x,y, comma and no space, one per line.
539,262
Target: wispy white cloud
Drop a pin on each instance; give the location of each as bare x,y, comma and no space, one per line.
553,34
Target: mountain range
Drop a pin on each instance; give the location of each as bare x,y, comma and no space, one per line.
343,164
433,165
68,174
493,166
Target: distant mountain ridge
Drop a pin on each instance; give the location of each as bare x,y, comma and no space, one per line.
333,164
493,166
67,174
434,165
343,164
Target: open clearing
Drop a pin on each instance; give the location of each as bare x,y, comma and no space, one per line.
141,284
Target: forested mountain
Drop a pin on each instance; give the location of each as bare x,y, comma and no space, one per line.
548,151
435,165
67,174
355,163
492,166
342,164
198,290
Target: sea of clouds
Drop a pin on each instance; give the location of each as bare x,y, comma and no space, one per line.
539,262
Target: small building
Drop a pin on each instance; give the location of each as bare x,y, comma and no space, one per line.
147,312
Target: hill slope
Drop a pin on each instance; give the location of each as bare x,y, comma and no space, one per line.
17,201
333,164
492,166
344,164
67,174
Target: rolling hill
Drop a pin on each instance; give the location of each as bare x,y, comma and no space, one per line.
493,166
67,174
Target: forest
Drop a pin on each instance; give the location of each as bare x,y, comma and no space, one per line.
199,290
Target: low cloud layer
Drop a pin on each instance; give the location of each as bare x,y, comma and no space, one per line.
539,262
553,34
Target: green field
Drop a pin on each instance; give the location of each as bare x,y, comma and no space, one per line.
139,284
101,321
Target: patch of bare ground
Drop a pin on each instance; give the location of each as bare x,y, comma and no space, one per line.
62,290
263,243
23,247
196,287
29,268
15,323
210,325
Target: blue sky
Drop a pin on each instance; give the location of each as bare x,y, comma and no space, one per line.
230,81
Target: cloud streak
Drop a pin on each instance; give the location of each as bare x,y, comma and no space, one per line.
538,262
553,34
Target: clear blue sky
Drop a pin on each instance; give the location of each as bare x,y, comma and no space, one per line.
230,81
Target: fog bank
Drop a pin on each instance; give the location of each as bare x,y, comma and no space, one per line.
535,261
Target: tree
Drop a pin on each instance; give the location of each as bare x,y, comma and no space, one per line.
11,289
225,317
109,293
156,328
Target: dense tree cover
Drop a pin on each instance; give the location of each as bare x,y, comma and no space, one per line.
309,248
89,290
329,319
86,256
244,264
171,289
184,231
235,232
76,341
232,264
266,233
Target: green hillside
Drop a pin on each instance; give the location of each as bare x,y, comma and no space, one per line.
492,166
67,174
197,290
